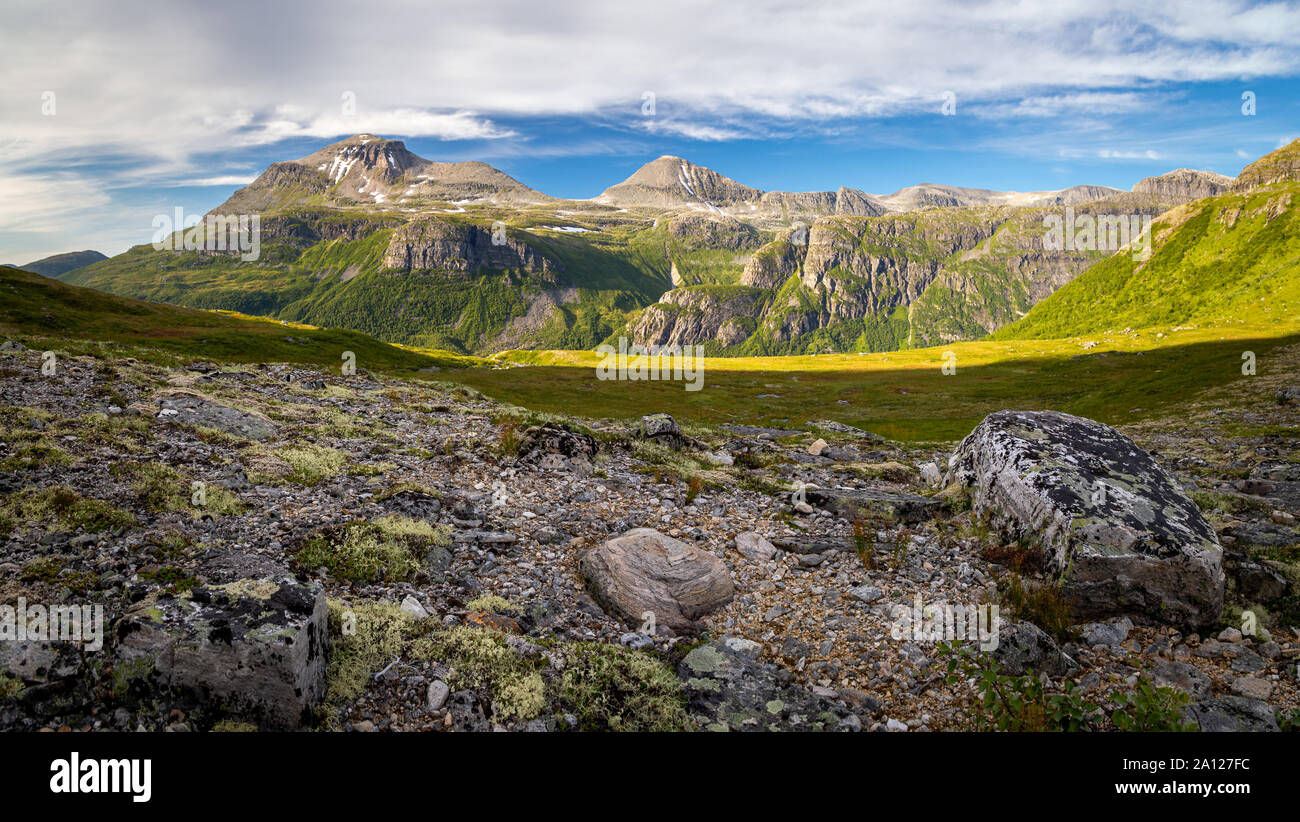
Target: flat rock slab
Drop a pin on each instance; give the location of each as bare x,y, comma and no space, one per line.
869,502
189,408
841,428
253,650
1231,714
813,545
645,571
1111,523
760,431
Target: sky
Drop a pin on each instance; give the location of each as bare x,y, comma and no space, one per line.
112,113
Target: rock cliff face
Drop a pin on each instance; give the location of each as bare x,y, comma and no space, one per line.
1279,166
687,316
432,244
1184,185
710,231
958,273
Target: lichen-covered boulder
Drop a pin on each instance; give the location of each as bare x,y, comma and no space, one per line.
557,447
727,688
1117,530
252,650
645,571
190,408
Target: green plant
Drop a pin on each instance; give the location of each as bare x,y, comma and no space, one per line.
1043,605
1148,708
1017,703
1288,721
616,689
863,543
10,686
387,548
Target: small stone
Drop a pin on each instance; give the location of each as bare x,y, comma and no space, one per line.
412,608
636,641
1252,687
817,447
866,593
437,694
754,546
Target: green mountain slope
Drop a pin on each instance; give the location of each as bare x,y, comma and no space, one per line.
1231,259
36,309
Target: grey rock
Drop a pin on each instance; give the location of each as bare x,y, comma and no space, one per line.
636,641
1101,511
557,447
253,649
412,608
869,502
190,408
754,546
1252,687
1231,714
866,593
436,695
728,689
1023,647
1183,677
1111,633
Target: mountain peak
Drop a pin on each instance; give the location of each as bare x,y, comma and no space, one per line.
367,168
1184,184
670,181
1281,165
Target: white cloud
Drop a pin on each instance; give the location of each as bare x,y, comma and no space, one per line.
1114,154
143,91
227,180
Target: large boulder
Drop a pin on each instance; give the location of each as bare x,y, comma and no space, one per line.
645,571
253,650
1117,529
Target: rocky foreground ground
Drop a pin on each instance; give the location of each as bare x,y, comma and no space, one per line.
275,547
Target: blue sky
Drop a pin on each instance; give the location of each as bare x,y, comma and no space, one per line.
156,106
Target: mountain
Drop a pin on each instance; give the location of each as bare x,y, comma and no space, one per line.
672,182
36,307
905,279
59,264
1282,165
1184,184
363,234
365,169
1225,260
930,195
